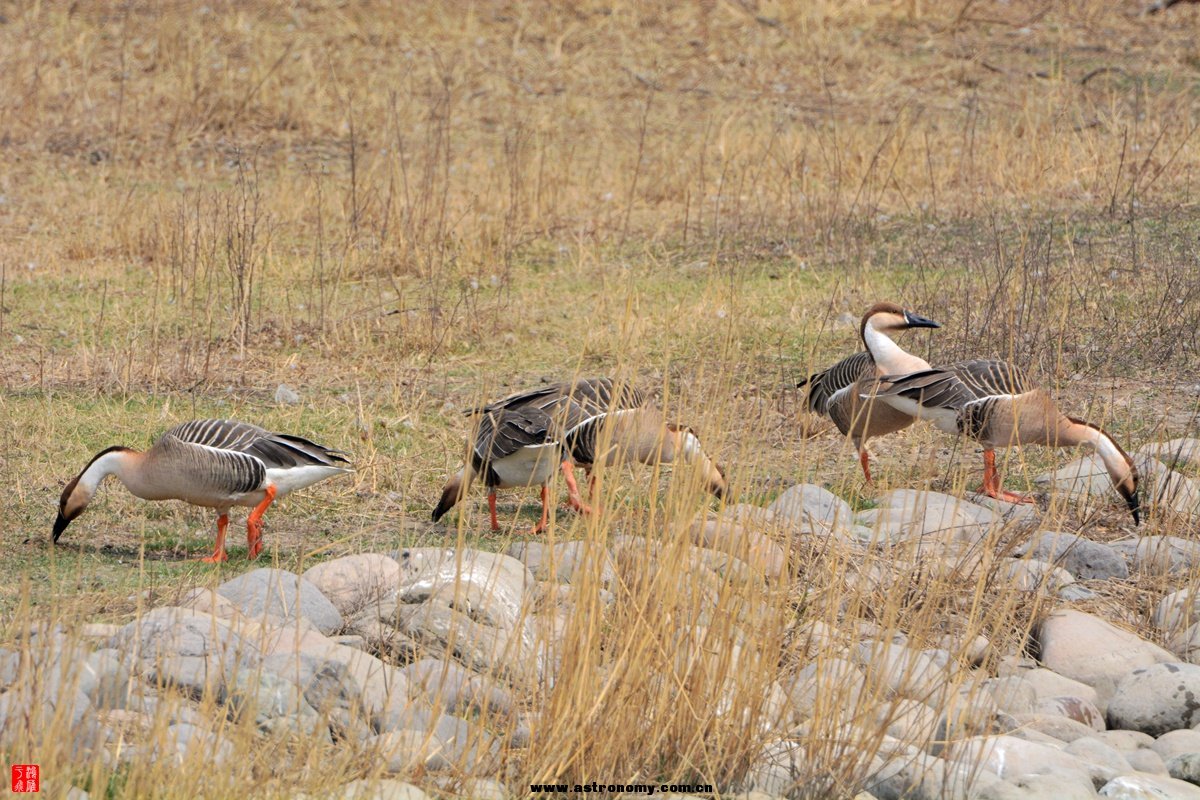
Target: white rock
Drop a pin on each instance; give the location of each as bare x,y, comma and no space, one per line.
1064,729
1149,787
380,790
1146,760
908,720
1013,695
901,669
753,547
906,514
1093,651
564,561
1013,758
1126,741
1161,555
1089,748
812,509
1173,453
1030,575
1073,708
1176,743
1082,478
1177,611
1047,683
1070,786
265,593
825,686
353,582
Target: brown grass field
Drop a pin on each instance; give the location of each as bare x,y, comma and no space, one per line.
400,210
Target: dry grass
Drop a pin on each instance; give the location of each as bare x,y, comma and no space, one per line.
400,211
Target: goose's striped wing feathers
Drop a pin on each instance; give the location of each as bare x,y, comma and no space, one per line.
591,395
505,431
824,385
958,385
274,450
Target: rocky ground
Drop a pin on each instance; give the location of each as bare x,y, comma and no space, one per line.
435,663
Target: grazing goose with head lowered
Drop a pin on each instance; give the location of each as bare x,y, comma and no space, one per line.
523,438
216,463
843,391
997,405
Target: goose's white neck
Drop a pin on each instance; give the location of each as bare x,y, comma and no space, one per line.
1114,460
890,358
124,464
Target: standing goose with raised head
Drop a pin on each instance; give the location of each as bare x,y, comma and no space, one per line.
843,392
523,438
997,405
215,463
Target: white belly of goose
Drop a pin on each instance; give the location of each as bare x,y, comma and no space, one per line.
295,478
529,466
945,419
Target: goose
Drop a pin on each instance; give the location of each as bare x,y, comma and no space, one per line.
998,405
643,435
843,391
522,439
571,403
215,463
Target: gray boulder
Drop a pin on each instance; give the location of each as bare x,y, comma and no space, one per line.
812,509
352,583
1161,555
279,593
563,561
1156,699
1085,559
190,650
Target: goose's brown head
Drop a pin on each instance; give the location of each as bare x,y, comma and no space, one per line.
689,450
891,319
79,492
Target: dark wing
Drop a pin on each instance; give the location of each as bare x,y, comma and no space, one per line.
544,397
605,394
504,432
957,385
824,385
275,450
602,394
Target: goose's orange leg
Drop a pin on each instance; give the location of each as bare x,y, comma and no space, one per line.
492,510
254,524
991,482
218,554
545,520
865,460
573,496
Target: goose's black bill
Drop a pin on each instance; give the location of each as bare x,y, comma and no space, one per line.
917,321
60,525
